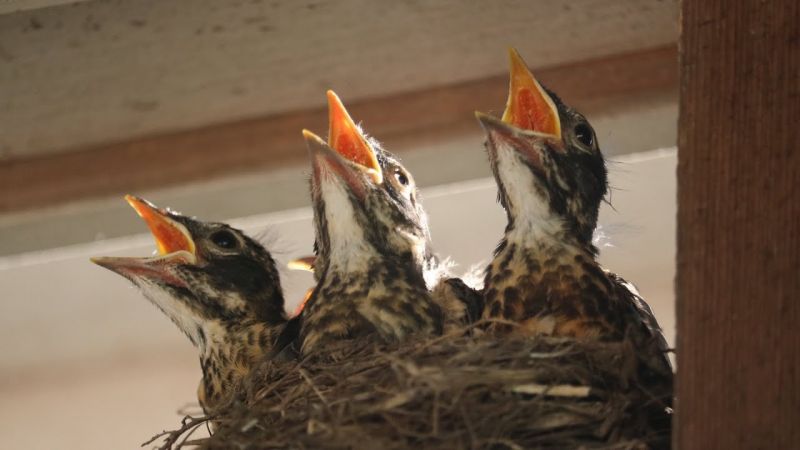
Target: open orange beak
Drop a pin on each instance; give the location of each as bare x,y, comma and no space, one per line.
175,246
324,159
345,137
529,106
170,235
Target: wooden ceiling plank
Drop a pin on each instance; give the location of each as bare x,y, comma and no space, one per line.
274,141
96,72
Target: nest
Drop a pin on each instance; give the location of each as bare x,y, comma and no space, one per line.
454,391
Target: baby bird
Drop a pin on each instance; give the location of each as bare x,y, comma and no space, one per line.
368,240
551,178
220,287
461,304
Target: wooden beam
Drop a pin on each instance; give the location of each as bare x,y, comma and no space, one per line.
738,279
275,141
13,6
96,72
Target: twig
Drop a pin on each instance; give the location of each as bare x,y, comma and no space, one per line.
313,386
187,423
556,390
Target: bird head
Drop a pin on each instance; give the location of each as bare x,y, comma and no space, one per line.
362,195
546,160
205,276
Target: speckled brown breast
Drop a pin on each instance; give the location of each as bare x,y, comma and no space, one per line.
228,360
563,294
568,294
385,302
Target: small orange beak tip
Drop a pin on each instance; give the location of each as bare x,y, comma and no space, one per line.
132,200
305,263
313,142
308,134
516,59
332,97
142,208
340,124
336,109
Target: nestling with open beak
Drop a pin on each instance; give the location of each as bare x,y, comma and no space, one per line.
368,265
220,287
551,178
460,303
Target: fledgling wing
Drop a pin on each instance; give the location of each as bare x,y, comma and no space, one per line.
287,346
655,344
461,304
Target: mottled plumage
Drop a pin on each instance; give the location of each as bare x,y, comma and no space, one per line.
370,280
460,303
390,208
545,277
220,287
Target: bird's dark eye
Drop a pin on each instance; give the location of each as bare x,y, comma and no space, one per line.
401,177
584,135
224,239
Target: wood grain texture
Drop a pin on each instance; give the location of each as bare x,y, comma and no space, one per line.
12,6
98,72
274,141
738,279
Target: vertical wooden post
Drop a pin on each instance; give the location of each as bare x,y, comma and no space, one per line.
738,282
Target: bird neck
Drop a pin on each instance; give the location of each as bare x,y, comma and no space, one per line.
543,254
228,355
375,270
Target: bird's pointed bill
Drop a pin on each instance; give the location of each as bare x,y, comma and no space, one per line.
529,106
153,268
175,246
170,235
305,263
325,160
504,135
345,137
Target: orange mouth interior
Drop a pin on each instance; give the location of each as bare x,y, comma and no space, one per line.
345,137
529,106
170,235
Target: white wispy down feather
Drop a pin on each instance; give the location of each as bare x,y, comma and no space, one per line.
434,273
604,234
473,277
600,238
